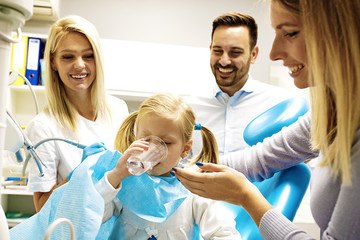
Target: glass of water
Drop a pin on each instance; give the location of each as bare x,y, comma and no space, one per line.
139,163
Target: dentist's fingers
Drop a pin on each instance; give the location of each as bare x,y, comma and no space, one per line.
211,167
188,175
199,177
188,180
224,183
202,184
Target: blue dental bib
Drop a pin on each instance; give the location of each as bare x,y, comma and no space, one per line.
152,198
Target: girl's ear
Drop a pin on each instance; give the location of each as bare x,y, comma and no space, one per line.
187,148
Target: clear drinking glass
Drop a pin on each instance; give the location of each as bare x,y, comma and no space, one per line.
139,163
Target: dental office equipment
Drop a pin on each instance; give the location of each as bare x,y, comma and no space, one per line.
55,224
16,137
14,140
89,206
13,14
28,145
74,143
12,78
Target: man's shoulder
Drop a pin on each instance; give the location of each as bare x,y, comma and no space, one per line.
270,90
266,86
201,101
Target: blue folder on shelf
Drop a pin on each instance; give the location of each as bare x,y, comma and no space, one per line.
32,72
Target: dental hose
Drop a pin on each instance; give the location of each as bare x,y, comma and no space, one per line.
71,142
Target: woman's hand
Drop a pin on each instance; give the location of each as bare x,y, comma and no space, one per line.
225,184
218,182
120,171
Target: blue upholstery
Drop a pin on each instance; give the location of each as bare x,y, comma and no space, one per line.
286,189
273,120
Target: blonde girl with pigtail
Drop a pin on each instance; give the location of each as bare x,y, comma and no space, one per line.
173,108
111,203
155,205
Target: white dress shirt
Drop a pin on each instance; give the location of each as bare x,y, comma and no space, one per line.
227,117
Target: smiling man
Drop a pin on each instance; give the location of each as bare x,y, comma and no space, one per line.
237,98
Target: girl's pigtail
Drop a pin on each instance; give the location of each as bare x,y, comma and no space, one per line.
209,152
126,134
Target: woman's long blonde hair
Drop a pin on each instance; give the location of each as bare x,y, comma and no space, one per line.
332,40
172,107
333,50
59,105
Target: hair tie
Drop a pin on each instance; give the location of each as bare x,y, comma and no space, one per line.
198,126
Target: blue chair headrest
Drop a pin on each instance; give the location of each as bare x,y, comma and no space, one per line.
273,120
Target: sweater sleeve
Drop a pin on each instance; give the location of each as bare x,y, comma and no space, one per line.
284,149
274,225
335,206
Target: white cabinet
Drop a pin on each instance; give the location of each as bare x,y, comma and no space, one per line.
22,105
16,202
21,102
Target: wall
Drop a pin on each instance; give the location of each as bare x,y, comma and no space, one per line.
178,22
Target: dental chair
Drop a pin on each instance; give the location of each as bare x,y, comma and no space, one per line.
286,189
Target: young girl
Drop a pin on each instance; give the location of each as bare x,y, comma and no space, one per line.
169,118
104,201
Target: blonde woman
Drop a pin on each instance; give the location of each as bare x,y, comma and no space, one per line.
78,107
319,42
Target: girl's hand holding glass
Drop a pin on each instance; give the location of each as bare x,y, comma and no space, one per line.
141,156
138,163
120,171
